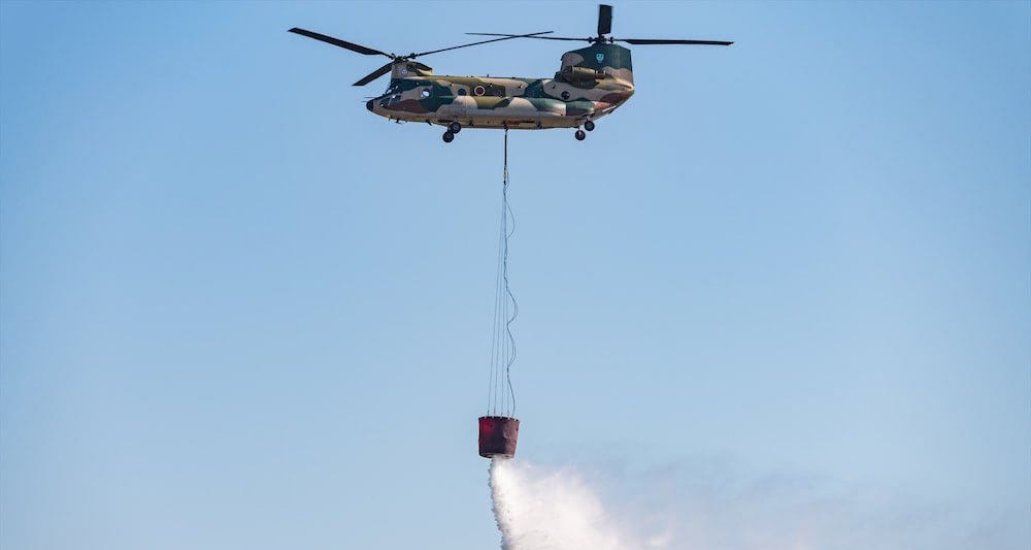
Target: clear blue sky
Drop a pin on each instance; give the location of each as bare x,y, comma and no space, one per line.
239,311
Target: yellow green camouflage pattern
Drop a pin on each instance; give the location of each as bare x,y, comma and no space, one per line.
591,83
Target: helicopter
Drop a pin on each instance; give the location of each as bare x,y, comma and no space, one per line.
591,83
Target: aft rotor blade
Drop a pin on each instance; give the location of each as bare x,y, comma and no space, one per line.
652,42
506,37
357,48
375,74
528,36
604,19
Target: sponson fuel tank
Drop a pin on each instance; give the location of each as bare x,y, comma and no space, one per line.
498,436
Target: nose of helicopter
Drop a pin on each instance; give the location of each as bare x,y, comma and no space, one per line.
369,105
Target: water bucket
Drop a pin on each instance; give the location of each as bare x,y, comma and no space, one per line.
498,436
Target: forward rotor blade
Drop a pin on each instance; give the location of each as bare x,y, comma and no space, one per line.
357,48
506,37
604,19
653,42
528,36
375,74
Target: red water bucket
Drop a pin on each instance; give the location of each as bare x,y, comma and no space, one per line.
498,436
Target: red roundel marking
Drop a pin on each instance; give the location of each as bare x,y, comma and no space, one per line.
479,90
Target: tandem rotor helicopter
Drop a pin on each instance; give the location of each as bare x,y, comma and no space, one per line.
591,83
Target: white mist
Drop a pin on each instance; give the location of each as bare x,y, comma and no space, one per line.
549,510
699,507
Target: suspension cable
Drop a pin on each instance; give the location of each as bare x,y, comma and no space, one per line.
501,395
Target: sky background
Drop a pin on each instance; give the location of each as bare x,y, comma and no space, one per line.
239,311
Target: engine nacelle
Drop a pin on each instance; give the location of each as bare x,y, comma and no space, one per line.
581,75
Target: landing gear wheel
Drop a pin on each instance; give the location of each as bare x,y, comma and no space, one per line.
589,125
580,135
449,136
454,127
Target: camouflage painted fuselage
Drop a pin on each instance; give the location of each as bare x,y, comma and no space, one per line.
592,83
